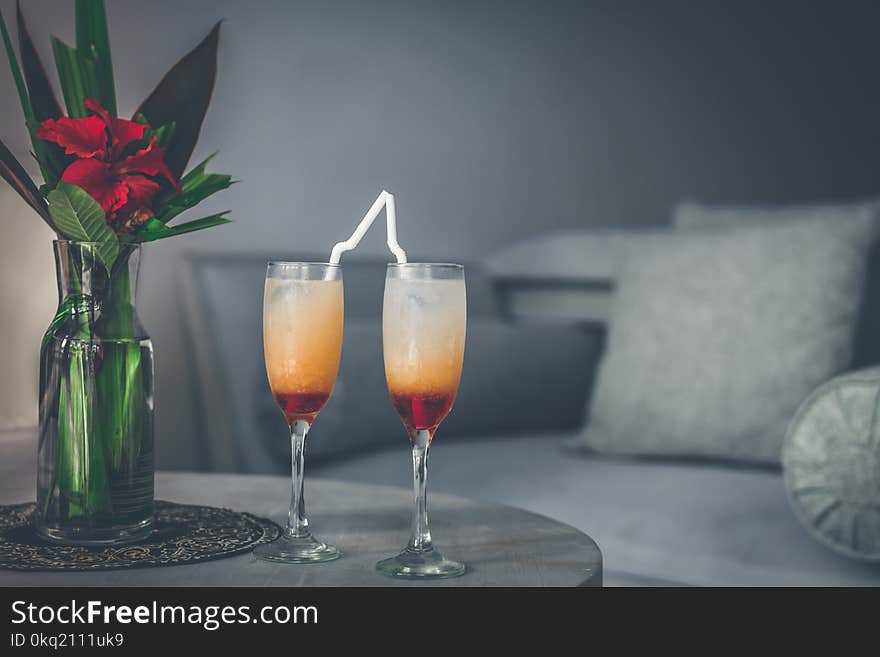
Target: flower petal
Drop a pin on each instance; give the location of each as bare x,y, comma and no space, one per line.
126,132
81,137
141,190
96,178
149,161
122,131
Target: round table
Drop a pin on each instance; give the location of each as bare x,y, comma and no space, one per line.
501,545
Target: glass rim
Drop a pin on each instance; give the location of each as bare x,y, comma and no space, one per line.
438,265
295,263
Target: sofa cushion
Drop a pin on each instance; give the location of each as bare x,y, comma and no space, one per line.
717,335
656,523
692,214
562,276
574,255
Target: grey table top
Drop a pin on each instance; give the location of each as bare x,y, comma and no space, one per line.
501,545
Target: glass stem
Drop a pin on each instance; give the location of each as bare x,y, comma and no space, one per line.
421,534
297,523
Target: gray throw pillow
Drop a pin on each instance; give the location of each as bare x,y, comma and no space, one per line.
717,335
866,351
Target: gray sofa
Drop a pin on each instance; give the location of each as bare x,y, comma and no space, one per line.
534,340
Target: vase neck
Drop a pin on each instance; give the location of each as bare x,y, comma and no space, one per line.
81,270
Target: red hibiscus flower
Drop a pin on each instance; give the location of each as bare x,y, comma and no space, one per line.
123,184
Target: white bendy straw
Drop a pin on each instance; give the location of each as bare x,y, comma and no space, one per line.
386,200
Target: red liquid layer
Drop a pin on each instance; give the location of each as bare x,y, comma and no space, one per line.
422,411
301,405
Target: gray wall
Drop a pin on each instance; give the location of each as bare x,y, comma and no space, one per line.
491,121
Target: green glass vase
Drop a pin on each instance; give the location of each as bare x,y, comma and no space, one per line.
95,467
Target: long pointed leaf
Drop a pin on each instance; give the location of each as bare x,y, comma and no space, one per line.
155,230
43,101
79,217
24,98
182,97
93,42
119,375
13,173
163,134
79,79
190,197
195,187
83,480
16,72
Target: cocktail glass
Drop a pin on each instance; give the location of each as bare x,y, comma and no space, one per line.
302,344
424,318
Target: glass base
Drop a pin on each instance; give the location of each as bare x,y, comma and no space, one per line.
420,564
95,537
296,549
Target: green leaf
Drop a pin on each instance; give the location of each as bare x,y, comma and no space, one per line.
195,187
154,229
13,173
79,217
29,117
44,105
196,174
83,478
119,382
16,72
163,134
78,75
182,98
93,42
189,198
119,379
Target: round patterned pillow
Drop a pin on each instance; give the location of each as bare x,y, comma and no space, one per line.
831,458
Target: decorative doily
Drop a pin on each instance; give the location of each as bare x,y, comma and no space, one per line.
181,534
